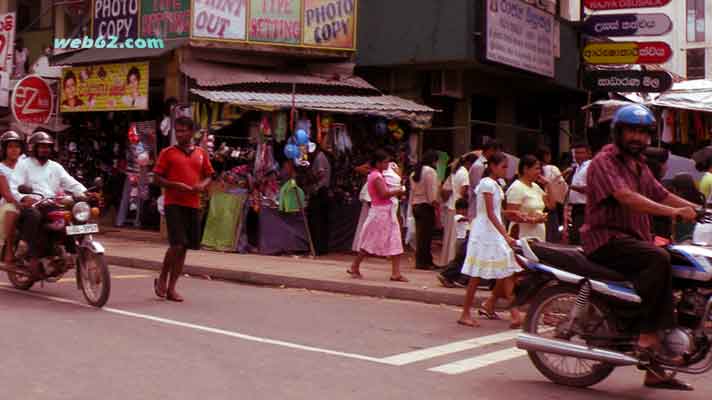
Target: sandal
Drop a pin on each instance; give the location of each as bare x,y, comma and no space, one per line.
157,290
471,323
354,275
491,315
670,384
399,278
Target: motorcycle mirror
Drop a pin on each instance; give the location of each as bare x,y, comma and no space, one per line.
25,189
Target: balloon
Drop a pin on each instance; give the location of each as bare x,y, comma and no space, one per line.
302,137
311,147
291,151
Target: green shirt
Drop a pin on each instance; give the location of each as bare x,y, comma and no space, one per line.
706,184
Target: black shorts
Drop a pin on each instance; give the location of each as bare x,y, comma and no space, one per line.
183,225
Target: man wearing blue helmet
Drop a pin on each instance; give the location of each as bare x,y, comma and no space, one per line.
622,194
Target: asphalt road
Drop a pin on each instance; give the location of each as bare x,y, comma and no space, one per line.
231,341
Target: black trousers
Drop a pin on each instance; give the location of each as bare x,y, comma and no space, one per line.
578,217
318,212
648,268
452,272
424,224
31,231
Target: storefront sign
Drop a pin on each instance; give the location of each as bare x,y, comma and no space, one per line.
277,21
105,87
165,18
628,25
627,53
4,89
520,36
598,5
7,41
628,81
115,18
219,19
31,101
330,23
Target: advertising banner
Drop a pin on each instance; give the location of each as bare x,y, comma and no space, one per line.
598,5
330,23
628,81
223,19
115,18
32,100
521,36
628,25
276,21
627,53
165,19
7,41
105,87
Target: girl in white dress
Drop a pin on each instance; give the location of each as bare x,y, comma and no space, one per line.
489,250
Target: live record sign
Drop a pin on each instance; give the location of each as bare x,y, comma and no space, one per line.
628,81
621,4
628,25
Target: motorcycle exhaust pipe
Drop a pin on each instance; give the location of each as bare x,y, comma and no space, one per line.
530,342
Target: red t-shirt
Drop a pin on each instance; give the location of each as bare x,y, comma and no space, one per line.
176,165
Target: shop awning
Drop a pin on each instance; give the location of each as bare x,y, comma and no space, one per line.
90,56
207,74
695,95
385,106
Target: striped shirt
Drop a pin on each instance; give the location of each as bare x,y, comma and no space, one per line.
606,219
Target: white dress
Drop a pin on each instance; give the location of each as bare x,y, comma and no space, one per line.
488,254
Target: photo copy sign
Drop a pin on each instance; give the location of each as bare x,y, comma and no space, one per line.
224,19
115,18
521,36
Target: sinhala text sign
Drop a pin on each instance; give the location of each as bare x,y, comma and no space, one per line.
627,53
598,5
628,81
521,36
105,87
115,18
628,25
219,19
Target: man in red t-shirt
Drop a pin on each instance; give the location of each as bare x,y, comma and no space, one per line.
185,172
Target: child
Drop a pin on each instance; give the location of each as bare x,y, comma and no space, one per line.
489,252
452,276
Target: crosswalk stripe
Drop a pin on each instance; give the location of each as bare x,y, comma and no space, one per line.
454,347
471,364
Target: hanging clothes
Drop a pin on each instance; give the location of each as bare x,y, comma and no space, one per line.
288,200
668,135
223,219
684,127
699,126
441,168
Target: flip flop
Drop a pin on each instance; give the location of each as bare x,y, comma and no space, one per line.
156,289
474,324
482,312
354,275
399,278
670,384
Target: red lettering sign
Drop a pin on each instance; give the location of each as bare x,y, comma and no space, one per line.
622,4
32,100
653,52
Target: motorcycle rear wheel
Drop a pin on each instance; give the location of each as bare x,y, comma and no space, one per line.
94,278
19,281
543,318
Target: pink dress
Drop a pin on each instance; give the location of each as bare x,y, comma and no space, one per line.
381,233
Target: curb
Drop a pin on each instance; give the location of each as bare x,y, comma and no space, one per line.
262,279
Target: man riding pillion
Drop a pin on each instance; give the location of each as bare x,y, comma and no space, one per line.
622,194
45,177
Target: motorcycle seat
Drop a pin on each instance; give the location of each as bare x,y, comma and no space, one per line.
572,259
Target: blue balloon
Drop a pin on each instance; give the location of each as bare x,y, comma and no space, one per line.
291,151
302,137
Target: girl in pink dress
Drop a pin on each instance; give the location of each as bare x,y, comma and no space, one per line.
381,234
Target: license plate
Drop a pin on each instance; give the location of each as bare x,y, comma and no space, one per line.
82,229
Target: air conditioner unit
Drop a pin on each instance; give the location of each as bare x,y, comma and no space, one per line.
446,83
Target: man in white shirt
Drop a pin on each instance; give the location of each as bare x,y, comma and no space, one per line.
577,192
476,172
47,178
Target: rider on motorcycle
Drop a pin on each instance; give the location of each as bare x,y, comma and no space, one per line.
622,194
45,177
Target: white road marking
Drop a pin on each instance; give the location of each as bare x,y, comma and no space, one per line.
64,280
471,364
454,347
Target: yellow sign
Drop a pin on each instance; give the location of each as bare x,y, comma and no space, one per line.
105,87
611,53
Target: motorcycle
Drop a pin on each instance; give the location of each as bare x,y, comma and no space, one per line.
66,220
582,318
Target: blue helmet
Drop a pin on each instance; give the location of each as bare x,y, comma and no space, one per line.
634,115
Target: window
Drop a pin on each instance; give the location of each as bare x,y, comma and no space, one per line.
695,63
484,119
695,20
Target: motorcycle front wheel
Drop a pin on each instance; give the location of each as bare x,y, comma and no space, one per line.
19,281
548,314
94,278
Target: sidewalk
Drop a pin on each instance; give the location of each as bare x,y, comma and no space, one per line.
145,250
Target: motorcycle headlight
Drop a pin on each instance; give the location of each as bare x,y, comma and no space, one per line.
81,212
